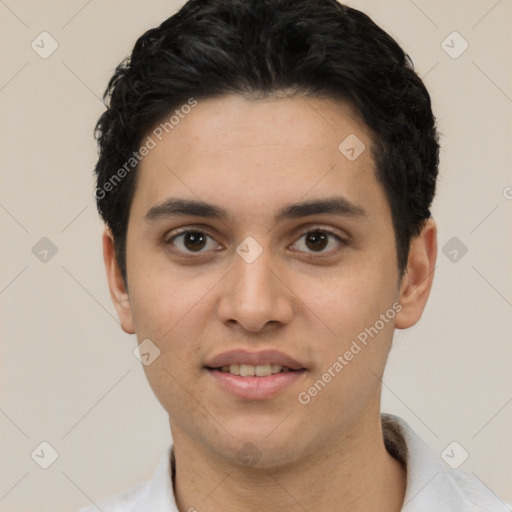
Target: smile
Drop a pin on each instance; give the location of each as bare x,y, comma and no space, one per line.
248,370
259,382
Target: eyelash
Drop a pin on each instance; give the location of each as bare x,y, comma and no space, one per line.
313,255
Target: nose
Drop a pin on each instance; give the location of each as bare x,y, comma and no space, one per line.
255,295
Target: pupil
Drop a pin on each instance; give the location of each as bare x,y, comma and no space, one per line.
318,239
194,241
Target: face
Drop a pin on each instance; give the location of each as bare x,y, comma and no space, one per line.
289,260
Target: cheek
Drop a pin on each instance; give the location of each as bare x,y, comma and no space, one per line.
348,300
352,356
169,312
163,300
352,340
172,309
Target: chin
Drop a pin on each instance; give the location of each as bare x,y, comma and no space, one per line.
257,447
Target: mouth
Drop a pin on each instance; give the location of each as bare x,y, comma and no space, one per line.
254,375
262,363
248,370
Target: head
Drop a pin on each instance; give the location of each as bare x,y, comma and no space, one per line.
253,106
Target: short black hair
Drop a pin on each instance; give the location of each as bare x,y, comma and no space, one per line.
320,48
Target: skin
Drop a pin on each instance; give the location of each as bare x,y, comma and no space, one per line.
252,157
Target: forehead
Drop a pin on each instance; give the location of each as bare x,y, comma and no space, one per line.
260,154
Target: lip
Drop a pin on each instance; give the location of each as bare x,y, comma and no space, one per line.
255,388
254,359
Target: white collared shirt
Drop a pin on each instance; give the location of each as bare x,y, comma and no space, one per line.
432,486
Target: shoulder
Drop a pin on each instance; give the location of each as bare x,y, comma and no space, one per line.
129,500
155,494
431,484
477,495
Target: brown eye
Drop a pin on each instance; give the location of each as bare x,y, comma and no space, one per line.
192,242
316,240
319,241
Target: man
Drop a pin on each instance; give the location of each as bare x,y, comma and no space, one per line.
265,175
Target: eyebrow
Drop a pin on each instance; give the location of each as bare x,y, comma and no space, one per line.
174,207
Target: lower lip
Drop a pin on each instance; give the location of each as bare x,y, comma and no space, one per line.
256,388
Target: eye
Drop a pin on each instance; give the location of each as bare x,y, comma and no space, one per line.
192,241
318,240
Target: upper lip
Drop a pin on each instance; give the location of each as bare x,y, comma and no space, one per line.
254,359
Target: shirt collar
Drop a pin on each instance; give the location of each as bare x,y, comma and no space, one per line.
431,484
160,493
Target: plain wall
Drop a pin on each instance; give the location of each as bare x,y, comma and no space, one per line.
69,376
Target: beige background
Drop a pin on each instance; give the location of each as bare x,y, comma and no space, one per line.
68,372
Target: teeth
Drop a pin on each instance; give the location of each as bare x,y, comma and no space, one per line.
247,370
263,371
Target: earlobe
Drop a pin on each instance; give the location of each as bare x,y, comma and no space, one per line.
118,291
419,275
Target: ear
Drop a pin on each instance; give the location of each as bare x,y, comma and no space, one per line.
418,277
118,292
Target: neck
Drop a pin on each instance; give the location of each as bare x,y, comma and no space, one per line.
354,472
